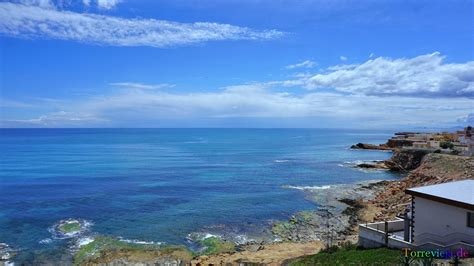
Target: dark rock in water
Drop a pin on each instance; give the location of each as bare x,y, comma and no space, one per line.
365,146
373,165
406,160
366,165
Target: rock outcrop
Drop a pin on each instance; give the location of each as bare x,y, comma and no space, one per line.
374,165
405,160
365,146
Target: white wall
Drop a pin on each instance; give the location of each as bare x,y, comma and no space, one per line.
440,219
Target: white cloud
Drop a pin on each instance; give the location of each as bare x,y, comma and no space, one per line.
107,4
371,55
58,119
378,93
304,64
86,2
251,101
467,119
141,86
29,21
421,76
343,58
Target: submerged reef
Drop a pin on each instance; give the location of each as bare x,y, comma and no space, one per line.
109,250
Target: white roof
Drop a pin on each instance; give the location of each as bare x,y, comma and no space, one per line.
460,191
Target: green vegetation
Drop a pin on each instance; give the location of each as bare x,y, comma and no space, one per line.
446,145
70,227
99,244
283,228
350,255
103,249
104,244
216,245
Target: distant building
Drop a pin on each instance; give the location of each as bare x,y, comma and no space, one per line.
462,149
421,145
434,144
466,138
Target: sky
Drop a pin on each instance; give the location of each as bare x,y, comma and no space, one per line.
237,63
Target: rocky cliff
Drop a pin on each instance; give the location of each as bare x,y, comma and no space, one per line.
433,169
405,160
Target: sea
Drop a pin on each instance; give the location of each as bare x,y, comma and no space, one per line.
165,185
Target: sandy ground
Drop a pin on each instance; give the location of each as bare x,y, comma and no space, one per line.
271,254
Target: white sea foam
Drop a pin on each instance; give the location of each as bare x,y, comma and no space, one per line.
84,241
6,253
139,242
308,187
198,236
207,235
357,162
281,161
46,241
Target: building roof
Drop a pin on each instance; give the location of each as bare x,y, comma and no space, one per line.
458,193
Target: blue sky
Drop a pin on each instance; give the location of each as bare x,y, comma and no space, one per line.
247,63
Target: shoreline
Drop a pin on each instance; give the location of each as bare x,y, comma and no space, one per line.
377,201
340,209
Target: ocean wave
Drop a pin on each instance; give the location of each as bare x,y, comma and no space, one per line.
357,162
6,253
308,187
139,242
239,239
84,241
199,236
46,241
281,161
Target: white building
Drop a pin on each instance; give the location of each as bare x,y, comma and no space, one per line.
440,217
435,144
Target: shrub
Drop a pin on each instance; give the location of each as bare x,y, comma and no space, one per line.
446,145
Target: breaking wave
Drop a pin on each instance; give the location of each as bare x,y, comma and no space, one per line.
308,187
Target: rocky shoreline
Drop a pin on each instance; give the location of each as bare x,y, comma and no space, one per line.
346,206
342,208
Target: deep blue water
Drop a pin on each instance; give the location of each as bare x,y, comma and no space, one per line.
162,184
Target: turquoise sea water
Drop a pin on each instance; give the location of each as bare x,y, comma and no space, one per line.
163,184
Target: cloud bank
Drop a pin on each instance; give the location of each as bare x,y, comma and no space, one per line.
408,92
141,86
35,21
150,108
421,76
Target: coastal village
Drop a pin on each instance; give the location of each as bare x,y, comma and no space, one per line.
460,142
